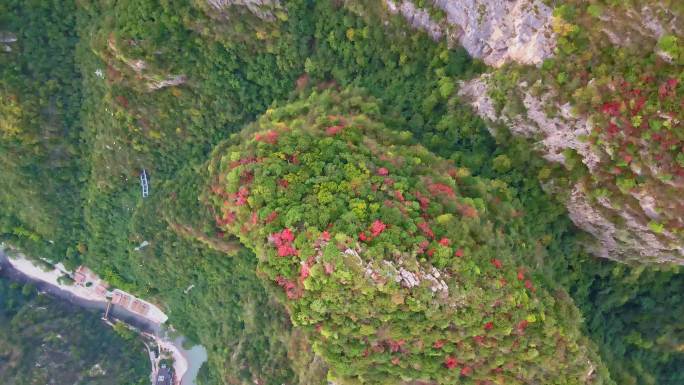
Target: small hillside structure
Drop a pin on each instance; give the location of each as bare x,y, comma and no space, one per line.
144,184
164,376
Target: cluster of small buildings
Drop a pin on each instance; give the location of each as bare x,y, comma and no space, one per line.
87,278
130,302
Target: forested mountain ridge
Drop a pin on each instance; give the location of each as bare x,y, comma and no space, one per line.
393,260
39,130
161,84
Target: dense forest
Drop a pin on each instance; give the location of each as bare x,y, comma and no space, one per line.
94,91
45,340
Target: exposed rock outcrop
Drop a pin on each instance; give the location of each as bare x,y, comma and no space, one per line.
622,230
631,241
652,21
418,18
153,81
388,270
6,40
170,81
496,31
263,9
556,134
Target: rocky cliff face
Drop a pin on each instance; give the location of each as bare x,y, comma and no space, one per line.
263,9
637,223
497,31
622,231
153,80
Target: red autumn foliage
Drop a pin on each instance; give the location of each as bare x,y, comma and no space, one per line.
466,371
293,159
242,162
423,246
522,325
122,101
479,340
377,228
444,241
287,235
334,130
450,362
612,129
283,242
271,217
663,91
521,275
611,108
246,178
489,325
241,196
291,289
399,195
254,218
441,189
325,235
422,200
438,344
271,137
286,251
425,228
497,263
467,211
382,171
228,219
284,282
304,271
672,83
395,346
638,105
295,293
459,253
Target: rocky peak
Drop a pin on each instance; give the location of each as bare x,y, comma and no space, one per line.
496,31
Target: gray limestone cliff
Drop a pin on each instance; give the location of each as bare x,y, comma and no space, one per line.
621,231
521,32
496,31
263,9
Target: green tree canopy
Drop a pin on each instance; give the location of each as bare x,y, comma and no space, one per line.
398,263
